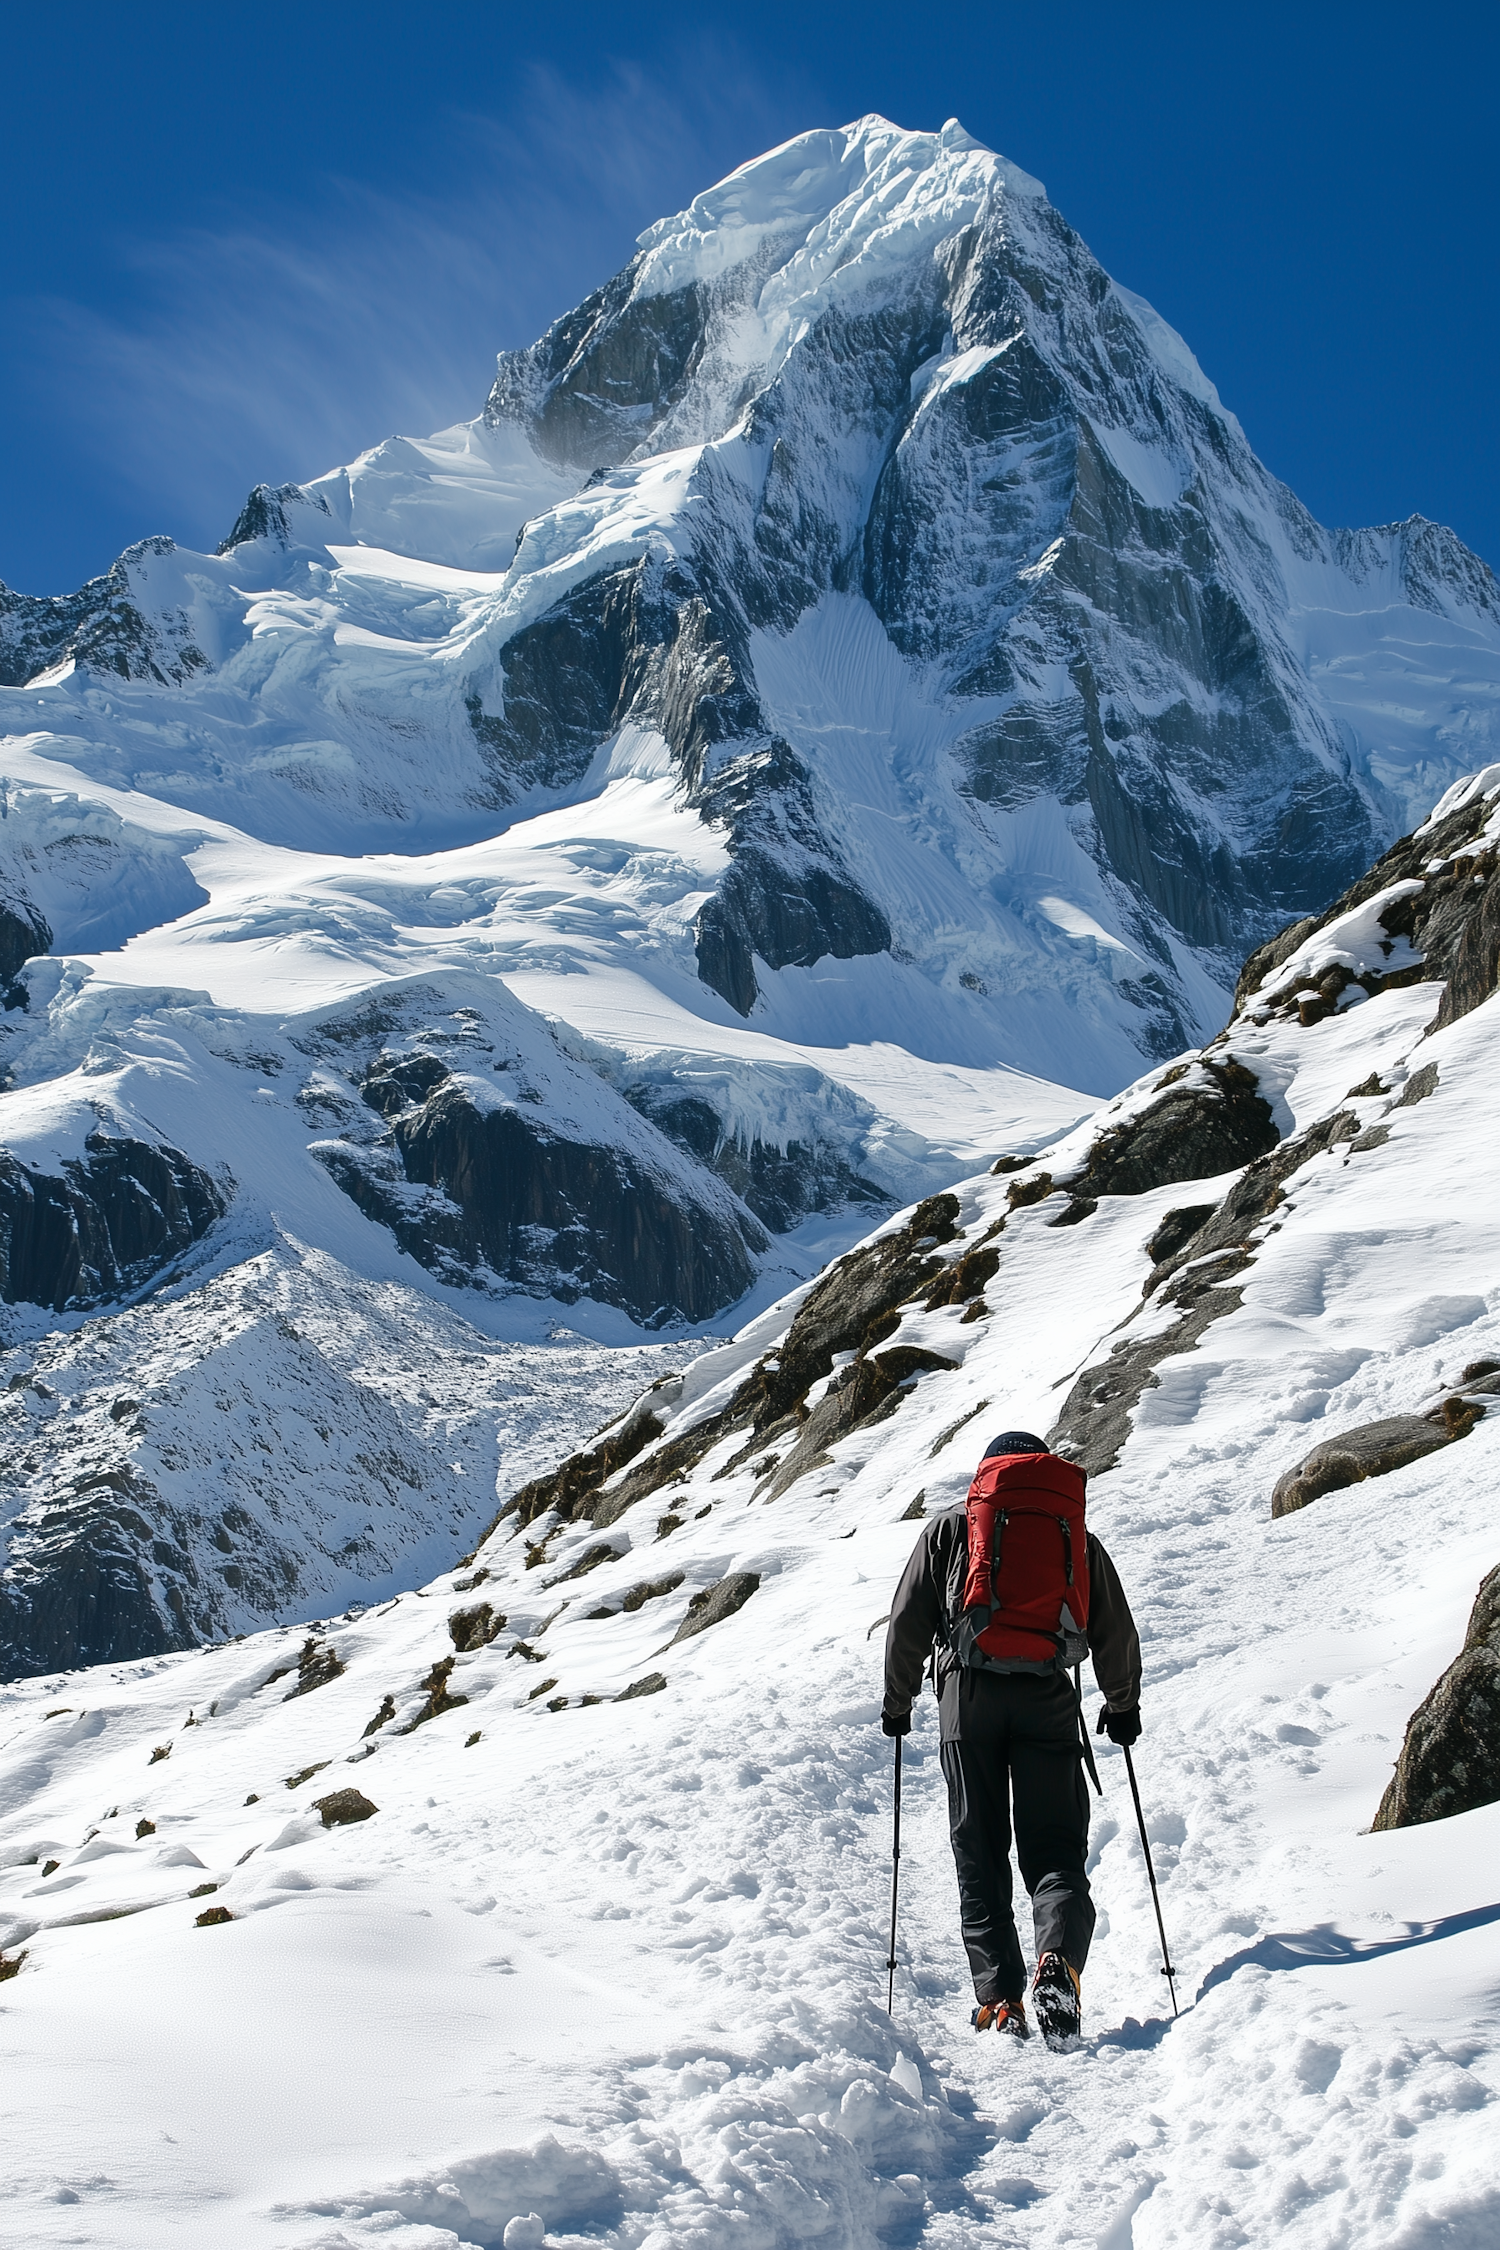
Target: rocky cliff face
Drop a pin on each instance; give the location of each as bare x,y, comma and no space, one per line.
504,1197
886,371
103,1225
1450,1760
115,625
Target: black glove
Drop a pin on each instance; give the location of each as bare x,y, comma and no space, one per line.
1123,1727
895,1722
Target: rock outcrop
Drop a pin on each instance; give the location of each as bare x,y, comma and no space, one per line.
111,625
1450,1760
1372,1450
715,1603
24,933
851,1310
503,1196
1427,912
781,1185
103,1227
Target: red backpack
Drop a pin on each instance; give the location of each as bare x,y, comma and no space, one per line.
1025,1604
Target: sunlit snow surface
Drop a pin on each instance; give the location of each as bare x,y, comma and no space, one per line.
622,1964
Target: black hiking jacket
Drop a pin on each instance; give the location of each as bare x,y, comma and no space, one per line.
931,1589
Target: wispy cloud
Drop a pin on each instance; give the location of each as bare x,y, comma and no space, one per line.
286,342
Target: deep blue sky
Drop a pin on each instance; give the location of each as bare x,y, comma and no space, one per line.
244,244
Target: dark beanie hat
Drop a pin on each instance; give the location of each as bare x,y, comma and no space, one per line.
1013,1441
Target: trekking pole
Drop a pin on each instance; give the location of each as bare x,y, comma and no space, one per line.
1083,1733
890,1990
1167,1969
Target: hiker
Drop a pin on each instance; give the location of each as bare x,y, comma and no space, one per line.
1013,1590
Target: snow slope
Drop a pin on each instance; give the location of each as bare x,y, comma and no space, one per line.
620,1963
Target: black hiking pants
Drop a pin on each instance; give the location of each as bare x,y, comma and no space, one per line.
1010,1755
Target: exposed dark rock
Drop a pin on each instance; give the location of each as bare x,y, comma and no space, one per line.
24,933
507,1195
654,645
790,916
1021,1194
568,683
1255,1195
855,1306
1450,1760
395,1083
946,1437
1096,1416
295,1780
105,1227
1176,1230
102,627
715,1603
438,1698
1476,958
264,515
652,1684
1195,1277
1372,1450
472,1628
866,1392
570,1488
647,1590
212,1917
589,1560
383,1716
1417,1088
602,378
1453,922
344,1806
1194,1133
780,1185
88,1591
965,1278
316,1666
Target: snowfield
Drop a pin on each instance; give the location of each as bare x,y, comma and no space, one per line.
620,1964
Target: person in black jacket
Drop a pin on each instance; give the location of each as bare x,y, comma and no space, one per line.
1011,1741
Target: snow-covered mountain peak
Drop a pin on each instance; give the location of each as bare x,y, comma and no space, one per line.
834,193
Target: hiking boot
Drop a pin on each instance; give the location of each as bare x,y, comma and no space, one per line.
1059,2003
1008,2016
